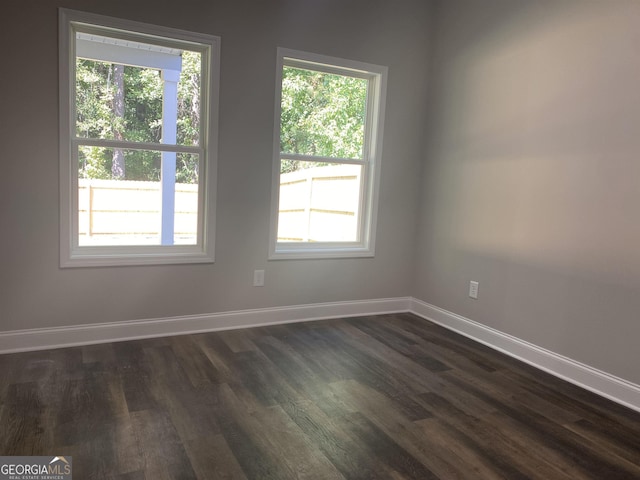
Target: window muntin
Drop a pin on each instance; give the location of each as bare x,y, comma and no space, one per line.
138,113
329,115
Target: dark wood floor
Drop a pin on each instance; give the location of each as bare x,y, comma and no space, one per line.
390,397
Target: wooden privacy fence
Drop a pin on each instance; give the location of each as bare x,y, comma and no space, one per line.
320,204
113,210
316,204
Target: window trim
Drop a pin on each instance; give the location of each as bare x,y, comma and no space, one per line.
73,255
371,158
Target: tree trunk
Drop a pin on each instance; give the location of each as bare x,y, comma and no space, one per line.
117,167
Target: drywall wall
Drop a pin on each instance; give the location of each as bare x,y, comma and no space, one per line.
35,292
531,180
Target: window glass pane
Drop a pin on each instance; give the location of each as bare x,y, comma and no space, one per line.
189,88
186,199
119,164
124,87
322,114
319,202
118,102
124,205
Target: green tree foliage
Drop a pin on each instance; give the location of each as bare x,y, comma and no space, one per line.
322,114
188,116
96,117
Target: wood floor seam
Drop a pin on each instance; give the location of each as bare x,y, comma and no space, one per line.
390,396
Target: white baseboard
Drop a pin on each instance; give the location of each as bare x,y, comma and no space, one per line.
604,384
589,378
58,337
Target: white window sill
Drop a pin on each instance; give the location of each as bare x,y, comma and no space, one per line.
119,259
306,253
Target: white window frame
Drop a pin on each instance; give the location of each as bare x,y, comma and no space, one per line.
71,253
376,75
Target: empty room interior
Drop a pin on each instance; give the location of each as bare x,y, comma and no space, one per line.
321,239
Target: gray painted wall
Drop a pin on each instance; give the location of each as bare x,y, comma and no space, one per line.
36,293
532,176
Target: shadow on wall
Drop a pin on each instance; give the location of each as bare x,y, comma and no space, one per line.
531,185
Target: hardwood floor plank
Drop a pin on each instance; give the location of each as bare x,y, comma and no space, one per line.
548,454
211,457
237,340
376,397
294,447
582,452
103,353
474,352
255,372
370,368
174,393
218,355
617,442
139,475
319,355
345,452
580,402
135,375
194,362
162,450
22,432
248,442
397,428
404,345
453,447
292,366
384,448
128,451
87,410
511,458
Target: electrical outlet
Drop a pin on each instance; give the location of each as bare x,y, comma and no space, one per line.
473,289
258,278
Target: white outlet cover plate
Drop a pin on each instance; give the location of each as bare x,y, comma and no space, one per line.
258,278
473,289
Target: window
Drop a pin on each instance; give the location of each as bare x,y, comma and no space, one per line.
138,113
327,147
